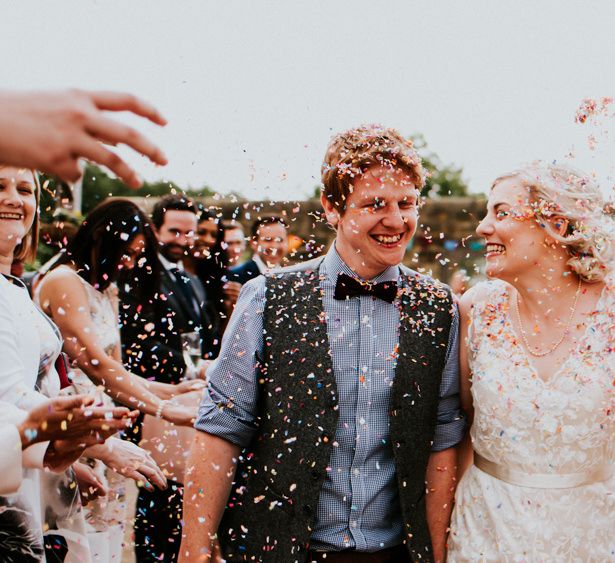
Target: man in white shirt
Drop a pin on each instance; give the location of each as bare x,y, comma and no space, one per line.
234,242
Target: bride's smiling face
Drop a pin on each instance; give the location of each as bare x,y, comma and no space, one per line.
514,240
17,206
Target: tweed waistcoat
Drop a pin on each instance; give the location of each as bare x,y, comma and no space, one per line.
272,507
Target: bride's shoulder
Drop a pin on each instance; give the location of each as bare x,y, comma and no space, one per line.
482,293
607,294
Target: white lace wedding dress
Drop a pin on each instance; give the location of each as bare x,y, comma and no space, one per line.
521,422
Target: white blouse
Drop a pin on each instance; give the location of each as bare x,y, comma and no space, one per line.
12,460
24,334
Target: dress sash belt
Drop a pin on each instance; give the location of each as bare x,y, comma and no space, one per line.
543,480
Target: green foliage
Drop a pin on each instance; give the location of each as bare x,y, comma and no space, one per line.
444,179
315,195
97,186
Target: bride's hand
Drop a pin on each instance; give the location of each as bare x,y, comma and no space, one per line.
133,462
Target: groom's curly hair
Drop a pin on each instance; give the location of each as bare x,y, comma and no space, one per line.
352,152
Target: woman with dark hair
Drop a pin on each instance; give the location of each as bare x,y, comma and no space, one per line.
108,241
80,295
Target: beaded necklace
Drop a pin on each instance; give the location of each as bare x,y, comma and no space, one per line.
566,329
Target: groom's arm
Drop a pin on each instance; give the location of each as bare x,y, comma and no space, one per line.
440,479
226,422
450,427
209,476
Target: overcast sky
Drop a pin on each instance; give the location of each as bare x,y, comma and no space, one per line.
253,90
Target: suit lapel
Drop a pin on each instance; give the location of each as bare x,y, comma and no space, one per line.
176,298
199,290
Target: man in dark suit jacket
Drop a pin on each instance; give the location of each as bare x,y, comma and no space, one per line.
152,348
269,242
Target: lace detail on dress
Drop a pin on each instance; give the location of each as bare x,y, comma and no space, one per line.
564,425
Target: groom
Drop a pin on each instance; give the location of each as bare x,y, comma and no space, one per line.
329,426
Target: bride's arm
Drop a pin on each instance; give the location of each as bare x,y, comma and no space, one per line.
465,453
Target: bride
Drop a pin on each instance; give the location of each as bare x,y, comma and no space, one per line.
537,374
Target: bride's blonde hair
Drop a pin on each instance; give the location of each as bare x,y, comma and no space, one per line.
558,190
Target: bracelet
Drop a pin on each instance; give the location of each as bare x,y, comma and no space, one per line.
160,408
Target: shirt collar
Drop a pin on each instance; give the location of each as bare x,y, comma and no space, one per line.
334,265
168,265
262,267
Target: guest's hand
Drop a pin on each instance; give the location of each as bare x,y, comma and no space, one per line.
73,419
90,486
50,131
202,367
189,385
133,462
182,415
231,291
61,454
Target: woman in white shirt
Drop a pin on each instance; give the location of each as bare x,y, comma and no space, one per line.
29,346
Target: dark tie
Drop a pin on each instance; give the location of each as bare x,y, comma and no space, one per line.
347,286
185,286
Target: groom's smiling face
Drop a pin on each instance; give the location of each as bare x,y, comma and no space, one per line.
379,220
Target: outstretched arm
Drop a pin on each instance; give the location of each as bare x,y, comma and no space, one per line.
209,476
63,297
51,131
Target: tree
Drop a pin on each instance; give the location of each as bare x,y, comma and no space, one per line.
315,195
444,179
97,186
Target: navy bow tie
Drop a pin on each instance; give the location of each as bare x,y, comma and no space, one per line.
347,286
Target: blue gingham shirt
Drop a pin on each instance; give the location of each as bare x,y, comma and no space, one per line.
358,507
